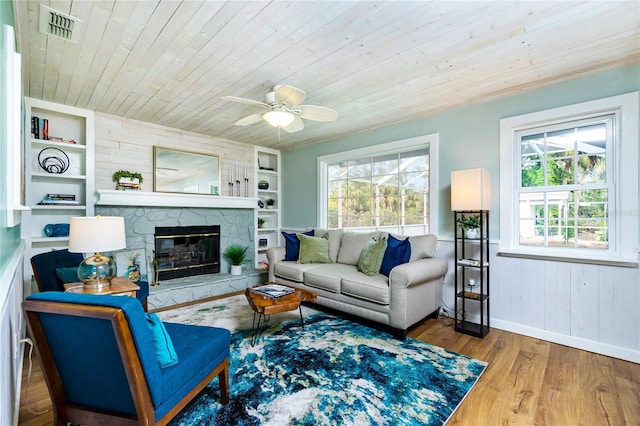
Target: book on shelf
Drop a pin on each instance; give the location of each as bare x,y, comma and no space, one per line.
58,203
61,140
71,197
471,262
273,291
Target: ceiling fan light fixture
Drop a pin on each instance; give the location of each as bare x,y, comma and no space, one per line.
278,118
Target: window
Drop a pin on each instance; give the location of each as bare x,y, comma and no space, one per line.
569,182
385,187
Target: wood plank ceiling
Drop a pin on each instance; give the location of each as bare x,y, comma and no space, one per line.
376,63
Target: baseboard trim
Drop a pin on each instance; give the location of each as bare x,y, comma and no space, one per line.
571,341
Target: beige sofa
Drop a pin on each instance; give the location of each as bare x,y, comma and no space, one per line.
412,291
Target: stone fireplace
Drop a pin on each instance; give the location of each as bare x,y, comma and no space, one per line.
184,251
143,212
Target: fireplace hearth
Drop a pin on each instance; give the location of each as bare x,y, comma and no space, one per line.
183,251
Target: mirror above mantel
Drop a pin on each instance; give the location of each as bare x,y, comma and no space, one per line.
185,172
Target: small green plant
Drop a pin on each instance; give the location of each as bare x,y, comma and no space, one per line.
261,221
469,222
271,202
126,174
236,254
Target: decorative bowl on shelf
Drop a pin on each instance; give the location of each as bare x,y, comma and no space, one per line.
263,184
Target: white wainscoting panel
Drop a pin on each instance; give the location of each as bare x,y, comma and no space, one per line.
11,331
590,307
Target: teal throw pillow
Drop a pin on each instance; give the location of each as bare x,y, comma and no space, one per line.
68,275
165,352
371,257
314,249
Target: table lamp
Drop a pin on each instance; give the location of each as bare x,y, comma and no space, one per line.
470,190
95,235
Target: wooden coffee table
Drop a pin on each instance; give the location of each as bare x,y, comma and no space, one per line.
264,306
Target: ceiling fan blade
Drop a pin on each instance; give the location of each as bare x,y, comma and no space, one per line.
295,126
290,95
246,101
249,119
317,113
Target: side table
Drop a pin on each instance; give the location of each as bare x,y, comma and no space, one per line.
264,306
120,286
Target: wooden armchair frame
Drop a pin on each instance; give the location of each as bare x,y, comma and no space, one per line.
65,412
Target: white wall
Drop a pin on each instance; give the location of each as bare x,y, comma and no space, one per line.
123,144
590,307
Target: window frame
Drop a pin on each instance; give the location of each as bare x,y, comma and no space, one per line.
623,227
395,147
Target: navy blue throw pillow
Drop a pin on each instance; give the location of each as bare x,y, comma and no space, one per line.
292,244
397,253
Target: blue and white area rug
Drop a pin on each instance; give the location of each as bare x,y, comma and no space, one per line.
333,372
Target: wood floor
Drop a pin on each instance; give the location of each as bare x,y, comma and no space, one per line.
528,382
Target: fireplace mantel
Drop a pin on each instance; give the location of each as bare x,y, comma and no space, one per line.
108,197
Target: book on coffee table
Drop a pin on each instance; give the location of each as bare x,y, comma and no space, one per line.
273,290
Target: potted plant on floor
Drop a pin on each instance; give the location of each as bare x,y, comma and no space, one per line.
470,224
236,255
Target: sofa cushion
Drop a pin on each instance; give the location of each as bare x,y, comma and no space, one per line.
374,289
292,244
371,258
422,246
291,270
327,277
397,253
352,244
314,249
335,237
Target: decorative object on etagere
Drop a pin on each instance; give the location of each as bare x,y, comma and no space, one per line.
270,203
263,185
261,222
471,202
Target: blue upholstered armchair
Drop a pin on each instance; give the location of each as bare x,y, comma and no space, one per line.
101,359
52,268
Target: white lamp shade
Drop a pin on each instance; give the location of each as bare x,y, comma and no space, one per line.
96,234
278,118
470,190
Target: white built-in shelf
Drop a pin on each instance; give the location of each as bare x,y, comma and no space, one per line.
36,240
51,207
61,145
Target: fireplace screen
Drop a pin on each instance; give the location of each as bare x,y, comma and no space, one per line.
183,251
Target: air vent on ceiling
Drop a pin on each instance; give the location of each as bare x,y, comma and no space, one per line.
59,24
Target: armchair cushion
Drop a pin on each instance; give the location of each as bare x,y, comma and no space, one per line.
165,352
67,275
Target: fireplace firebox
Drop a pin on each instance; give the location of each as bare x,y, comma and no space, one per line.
183,251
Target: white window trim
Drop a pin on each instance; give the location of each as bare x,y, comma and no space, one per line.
625,169
391,147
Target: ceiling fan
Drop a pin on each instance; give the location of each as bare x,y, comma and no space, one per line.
285,111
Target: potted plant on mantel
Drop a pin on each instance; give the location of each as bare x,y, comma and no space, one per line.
126,180
236,255
470,224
